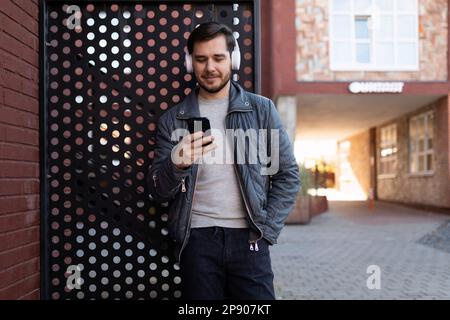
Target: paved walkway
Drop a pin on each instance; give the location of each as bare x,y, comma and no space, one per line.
328,259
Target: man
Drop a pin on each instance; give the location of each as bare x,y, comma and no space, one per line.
222,216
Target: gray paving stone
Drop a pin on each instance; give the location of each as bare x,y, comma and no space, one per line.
328,258
439,238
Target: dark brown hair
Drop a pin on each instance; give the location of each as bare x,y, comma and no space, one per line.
210,30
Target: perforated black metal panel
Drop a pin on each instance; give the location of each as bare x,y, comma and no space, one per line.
106,82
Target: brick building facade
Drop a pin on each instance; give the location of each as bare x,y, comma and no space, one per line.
402,185
396,142
313,37
19,150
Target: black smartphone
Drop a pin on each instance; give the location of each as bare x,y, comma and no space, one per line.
199,124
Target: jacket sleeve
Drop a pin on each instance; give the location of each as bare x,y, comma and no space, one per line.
164,178
285,183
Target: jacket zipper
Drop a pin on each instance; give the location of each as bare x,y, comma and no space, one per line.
183,185
190,212
154,180
253,243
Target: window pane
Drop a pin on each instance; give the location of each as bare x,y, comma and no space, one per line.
406,5
421,163
420,127
430,144
413,162
362,27
406,27
429,162
413,146
341,5
430,123
407,54
384,27
362,5
342,26
384,5
363,53
421,145
385,53
342,52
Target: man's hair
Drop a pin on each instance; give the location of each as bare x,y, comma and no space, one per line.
210,30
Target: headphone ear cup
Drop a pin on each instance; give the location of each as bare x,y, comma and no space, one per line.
235,60
188,60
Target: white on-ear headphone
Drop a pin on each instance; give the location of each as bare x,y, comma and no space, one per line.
235,58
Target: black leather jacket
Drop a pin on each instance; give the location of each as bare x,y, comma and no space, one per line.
268,198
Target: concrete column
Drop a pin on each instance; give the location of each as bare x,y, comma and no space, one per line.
287,108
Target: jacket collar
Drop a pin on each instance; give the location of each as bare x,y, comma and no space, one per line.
238,102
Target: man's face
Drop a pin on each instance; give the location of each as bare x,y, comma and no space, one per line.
212,64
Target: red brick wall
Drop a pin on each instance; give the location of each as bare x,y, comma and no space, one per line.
19,150
266,52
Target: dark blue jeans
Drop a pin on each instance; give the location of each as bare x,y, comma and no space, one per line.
217,264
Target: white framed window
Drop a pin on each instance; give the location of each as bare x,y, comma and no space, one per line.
388,150
421,143
374,35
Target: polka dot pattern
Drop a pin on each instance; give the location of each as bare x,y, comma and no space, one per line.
109,81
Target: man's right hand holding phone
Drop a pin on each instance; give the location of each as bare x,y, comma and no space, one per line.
192,147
